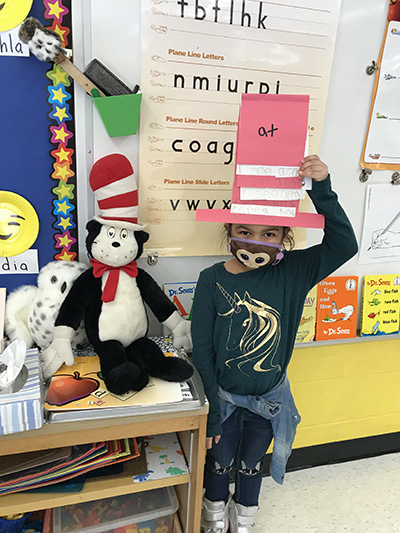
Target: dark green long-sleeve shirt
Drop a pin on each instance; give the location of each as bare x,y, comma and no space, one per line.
244,325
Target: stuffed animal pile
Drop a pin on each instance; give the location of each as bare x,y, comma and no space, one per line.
110,296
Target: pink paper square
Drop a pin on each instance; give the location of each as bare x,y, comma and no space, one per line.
272,129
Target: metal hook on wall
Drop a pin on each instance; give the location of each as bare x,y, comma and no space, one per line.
365,173
371,69
396,178
152,258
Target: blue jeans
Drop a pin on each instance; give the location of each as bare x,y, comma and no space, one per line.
245,440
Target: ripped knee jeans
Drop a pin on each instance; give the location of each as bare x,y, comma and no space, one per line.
239,455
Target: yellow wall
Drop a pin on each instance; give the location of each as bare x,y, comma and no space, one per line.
346,391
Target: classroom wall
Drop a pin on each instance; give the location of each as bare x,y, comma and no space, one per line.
349,390
115,40
344,390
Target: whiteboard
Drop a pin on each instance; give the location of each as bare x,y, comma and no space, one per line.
103,33
382,145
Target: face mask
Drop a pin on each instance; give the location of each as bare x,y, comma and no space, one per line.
255,254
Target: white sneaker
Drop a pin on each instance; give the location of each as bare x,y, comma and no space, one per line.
214,517
241,518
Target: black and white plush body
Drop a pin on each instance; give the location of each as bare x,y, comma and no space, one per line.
117,328
43,42
117,246
128,306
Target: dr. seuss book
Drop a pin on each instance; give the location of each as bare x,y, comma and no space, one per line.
306,331
380,305
181,294
336,308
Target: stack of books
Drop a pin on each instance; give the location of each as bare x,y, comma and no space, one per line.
39,469
78,392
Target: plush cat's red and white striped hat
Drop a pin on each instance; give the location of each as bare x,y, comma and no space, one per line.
115,190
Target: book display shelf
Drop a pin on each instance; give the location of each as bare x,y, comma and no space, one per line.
187,420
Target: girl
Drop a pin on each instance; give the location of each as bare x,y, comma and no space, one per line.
245,316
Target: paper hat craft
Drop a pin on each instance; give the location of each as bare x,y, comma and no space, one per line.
115,190
271,142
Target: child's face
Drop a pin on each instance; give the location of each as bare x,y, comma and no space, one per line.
256,232
255,246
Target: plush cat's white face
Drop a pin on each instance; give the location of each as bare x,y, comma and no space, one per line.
115,246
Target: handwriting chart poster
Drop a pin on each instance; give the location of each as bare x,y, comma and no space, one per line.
198,58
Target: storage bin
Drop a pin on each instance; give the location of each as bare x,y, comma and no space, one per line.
151,511
23,410
13,526
120,114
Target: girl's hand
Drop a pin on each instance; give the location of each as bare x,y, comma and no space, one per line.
209,441
313,167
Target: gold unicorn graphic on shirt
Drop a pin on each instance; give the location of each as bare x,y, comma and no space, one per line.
255,328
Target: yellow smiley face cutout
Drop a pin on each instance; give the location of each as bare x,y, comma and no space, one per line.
13,12
19,224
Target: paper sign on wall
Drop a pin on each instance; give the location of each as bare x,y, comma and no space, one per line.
272,135
198,58
11,45
271,143
25,263
272,131
380,241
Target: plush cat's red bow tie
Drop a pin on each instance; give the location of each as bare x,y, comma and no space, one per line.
110,288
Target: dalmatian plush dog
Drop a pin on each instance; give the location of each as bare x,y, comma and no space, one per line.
110,296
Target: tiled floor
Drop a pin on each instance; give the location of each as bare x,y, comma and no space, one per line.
360,496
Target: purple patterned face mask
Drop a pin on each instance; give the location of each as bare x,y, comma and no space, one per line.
255,254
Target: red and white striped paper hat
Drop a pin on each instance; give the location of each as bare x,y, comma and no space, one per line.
115,190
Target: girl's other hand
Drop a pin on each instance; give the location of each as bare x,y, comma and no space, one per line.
209,441
313,167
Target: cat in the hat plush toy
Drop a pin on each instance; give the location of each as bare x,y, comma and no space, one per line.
110,296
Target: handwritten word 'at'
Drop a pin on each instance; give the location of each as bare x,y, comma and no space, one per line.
264,132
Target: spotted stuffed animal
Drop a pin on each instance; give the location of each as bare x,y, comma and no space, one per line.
43,42
31,311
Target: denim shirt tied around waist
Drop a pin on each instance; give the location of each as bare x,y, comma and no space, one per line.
278,406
